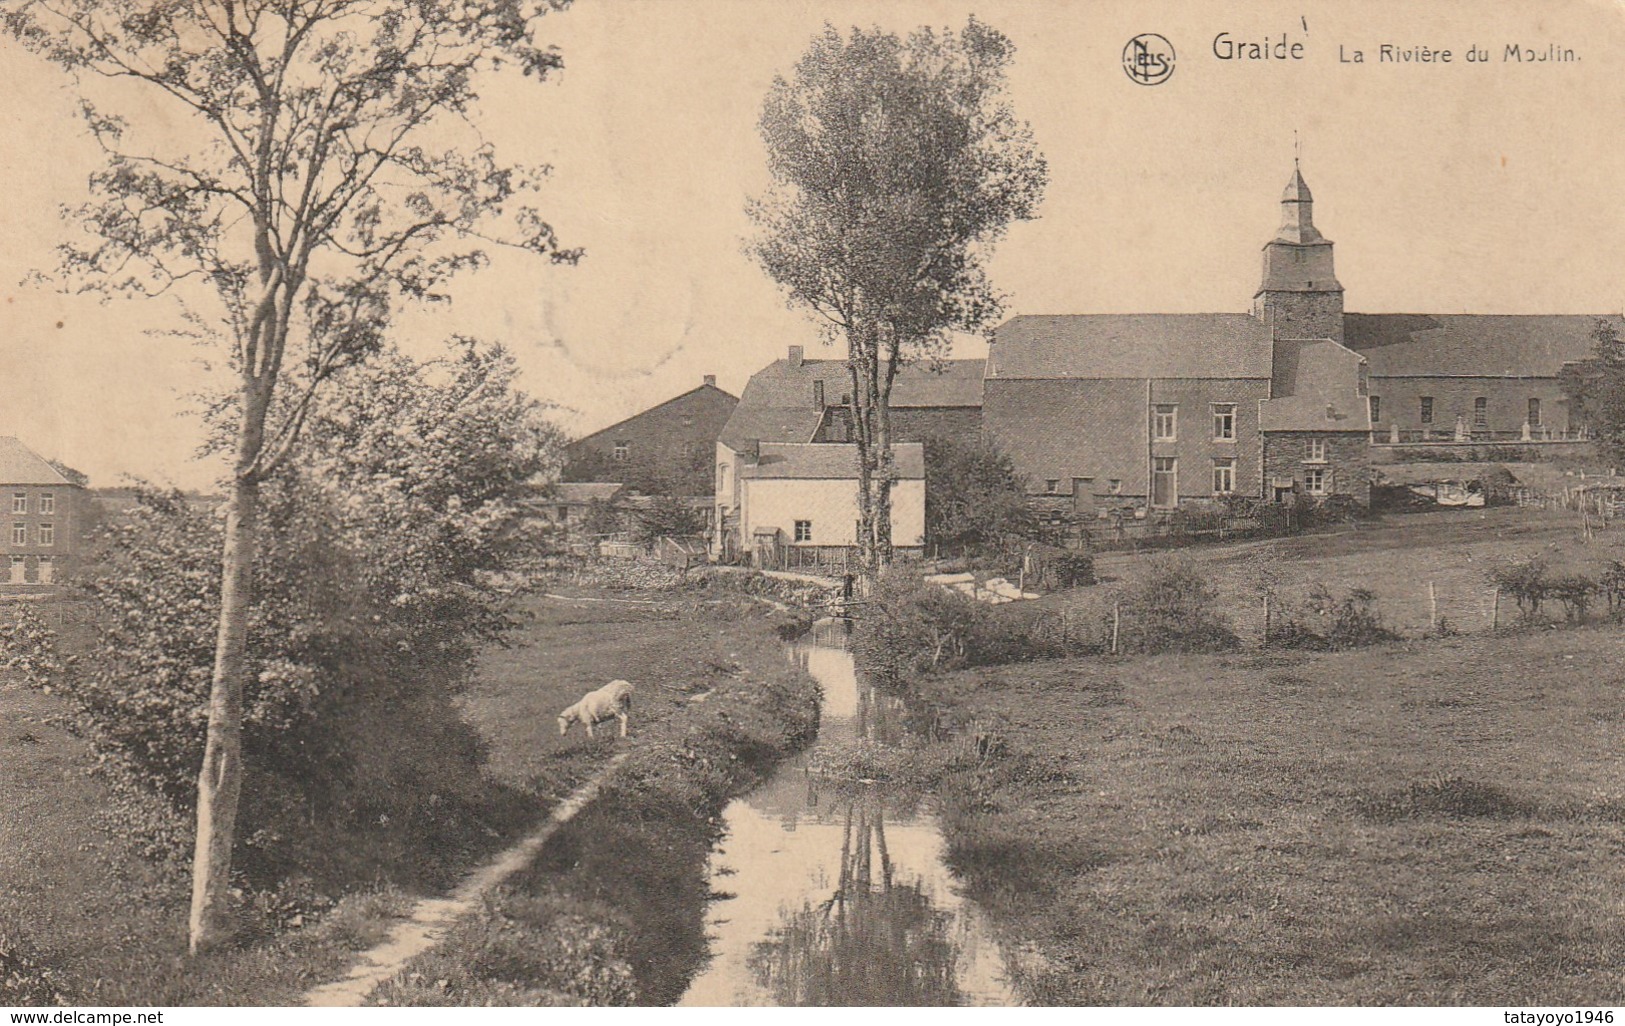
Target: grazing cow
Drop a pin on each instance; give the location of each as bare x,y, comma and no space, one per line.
613,700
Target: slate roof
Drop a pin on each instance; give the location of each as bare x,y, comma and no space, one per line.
827,461
777,404
1213,345
674,400
20,465
1316,389
1471,345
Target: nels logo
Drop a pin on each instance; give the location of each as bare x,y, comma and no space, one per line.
1148,59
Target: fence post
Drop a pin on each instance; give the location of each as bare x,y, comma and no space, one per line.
1265,641
1117,615
1433,608
1495,611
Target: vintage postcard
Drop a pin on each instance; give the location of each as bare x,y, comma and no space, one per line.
835,503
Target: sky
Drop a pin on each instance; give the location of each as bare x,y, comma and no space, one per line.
1488,187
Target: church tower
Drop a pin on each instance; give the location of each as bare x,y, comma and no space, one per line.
1300,296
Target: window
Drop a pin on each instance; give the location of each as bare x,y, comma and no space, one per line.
1114,486
687,450
1224,475
1224,422
19,568
1481,413
818,395
1165,423
1052,486
19,534
47,534
1427,409
1316,451
1164,481
803,530
47,502
1534,413
1314,480
1376,408
47,570
622,451
564,513
19,502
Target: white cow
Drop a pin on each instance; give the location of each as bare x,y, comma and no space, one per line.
613,700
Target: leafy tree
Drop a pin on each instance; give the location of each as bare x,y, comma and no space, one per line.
896,165
296,166
669,515
973,494
373,586
1595,388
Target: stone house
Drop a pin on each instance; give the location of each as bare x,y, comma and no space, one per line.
666,449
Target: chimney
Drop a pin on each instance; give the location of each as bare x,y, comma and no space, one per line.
711,379
795,356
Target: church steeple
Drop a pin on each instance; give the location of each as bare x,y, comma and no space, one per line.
1297,211
1299,296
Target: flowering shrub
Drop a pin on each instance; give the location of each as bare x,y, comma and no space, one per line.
374,584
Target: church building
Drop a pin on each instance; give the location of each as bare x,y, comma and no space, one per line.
1297,396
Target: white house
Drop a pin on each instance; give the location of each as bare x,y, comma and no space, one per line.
804,496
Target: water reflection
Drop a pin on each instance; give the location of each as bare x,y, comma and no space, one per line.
836,898
875,941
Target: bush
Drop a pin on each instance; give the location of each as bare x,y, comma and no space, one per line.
1348,622
1576,591
1526,581
1057,568
910,627
1173,608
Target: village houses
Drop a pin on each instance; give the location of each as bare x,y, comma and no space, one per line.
1138,412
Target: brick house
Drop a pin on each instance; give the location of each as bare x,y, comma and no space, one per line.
796,401
39,540
665,449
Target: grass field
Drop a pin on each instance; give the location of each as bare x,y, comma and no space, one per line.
84,917
1435,822
1395,558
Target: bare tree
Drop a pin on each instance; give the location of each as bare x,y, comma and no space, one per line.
277,168
897,164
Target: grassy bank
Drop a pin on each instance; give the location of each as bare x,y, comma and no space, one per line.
86,917
613,910
1436,822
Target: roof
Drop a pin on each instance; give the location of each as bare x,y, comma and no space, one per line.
1212,345
1471,345
1316,388
584,491
828,461
778,402
707,387
20,465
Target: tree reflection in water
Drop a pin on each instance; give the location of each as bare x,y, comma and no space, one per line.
876,941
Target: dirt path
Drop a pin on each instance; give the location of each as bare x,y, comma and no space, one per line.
430,919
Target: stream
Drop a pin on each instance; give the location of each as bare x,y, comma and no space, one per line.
828,898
